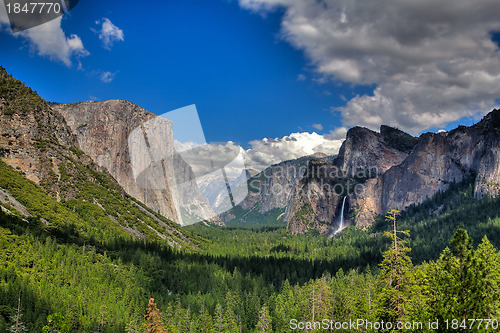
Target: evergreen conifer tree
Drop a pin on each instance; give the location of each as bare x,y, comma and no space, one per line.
396,280
463,283
264,323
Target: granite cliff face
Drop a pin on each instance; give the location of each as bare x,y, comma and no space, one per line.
488,174
106,130
355,173
272,189
443,158
102,130
279,182
365,156
437,160
316,198
392,170
37,142
368,153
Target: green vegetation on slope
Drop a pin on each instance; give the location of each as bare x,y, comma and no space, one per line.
255,219
74,265
16,97
433,222
98,212
241,278
93,289
397,139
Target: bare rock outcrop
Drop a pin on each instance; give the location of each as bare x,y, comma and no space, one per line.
365,152
393,170
273,187
315,199
104,129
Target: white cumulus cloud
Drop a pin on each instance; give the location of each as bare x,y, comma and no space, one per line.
336,134
76,45
109,33
432,62
107,77
262,153
48,39
266,152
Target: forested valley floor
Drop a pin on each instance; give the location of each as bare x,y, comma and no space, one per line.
437,267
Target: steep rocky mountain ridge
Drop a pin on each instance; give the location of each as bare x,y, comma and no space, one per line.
365,151
442,158
104,131
314,201
392,170
57,145
37,143
363,158
271,189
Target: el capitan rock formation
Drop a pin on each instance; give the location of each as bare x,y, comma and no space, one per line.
103,131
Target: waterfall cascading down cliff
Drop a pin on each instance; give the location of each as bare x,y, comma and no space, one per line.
341,226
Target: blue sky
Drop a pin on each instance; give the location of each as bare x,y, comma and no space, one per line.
267,68
230,62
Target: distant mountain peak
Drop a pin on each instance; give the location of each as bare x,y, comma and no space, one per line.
490,121
318,155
